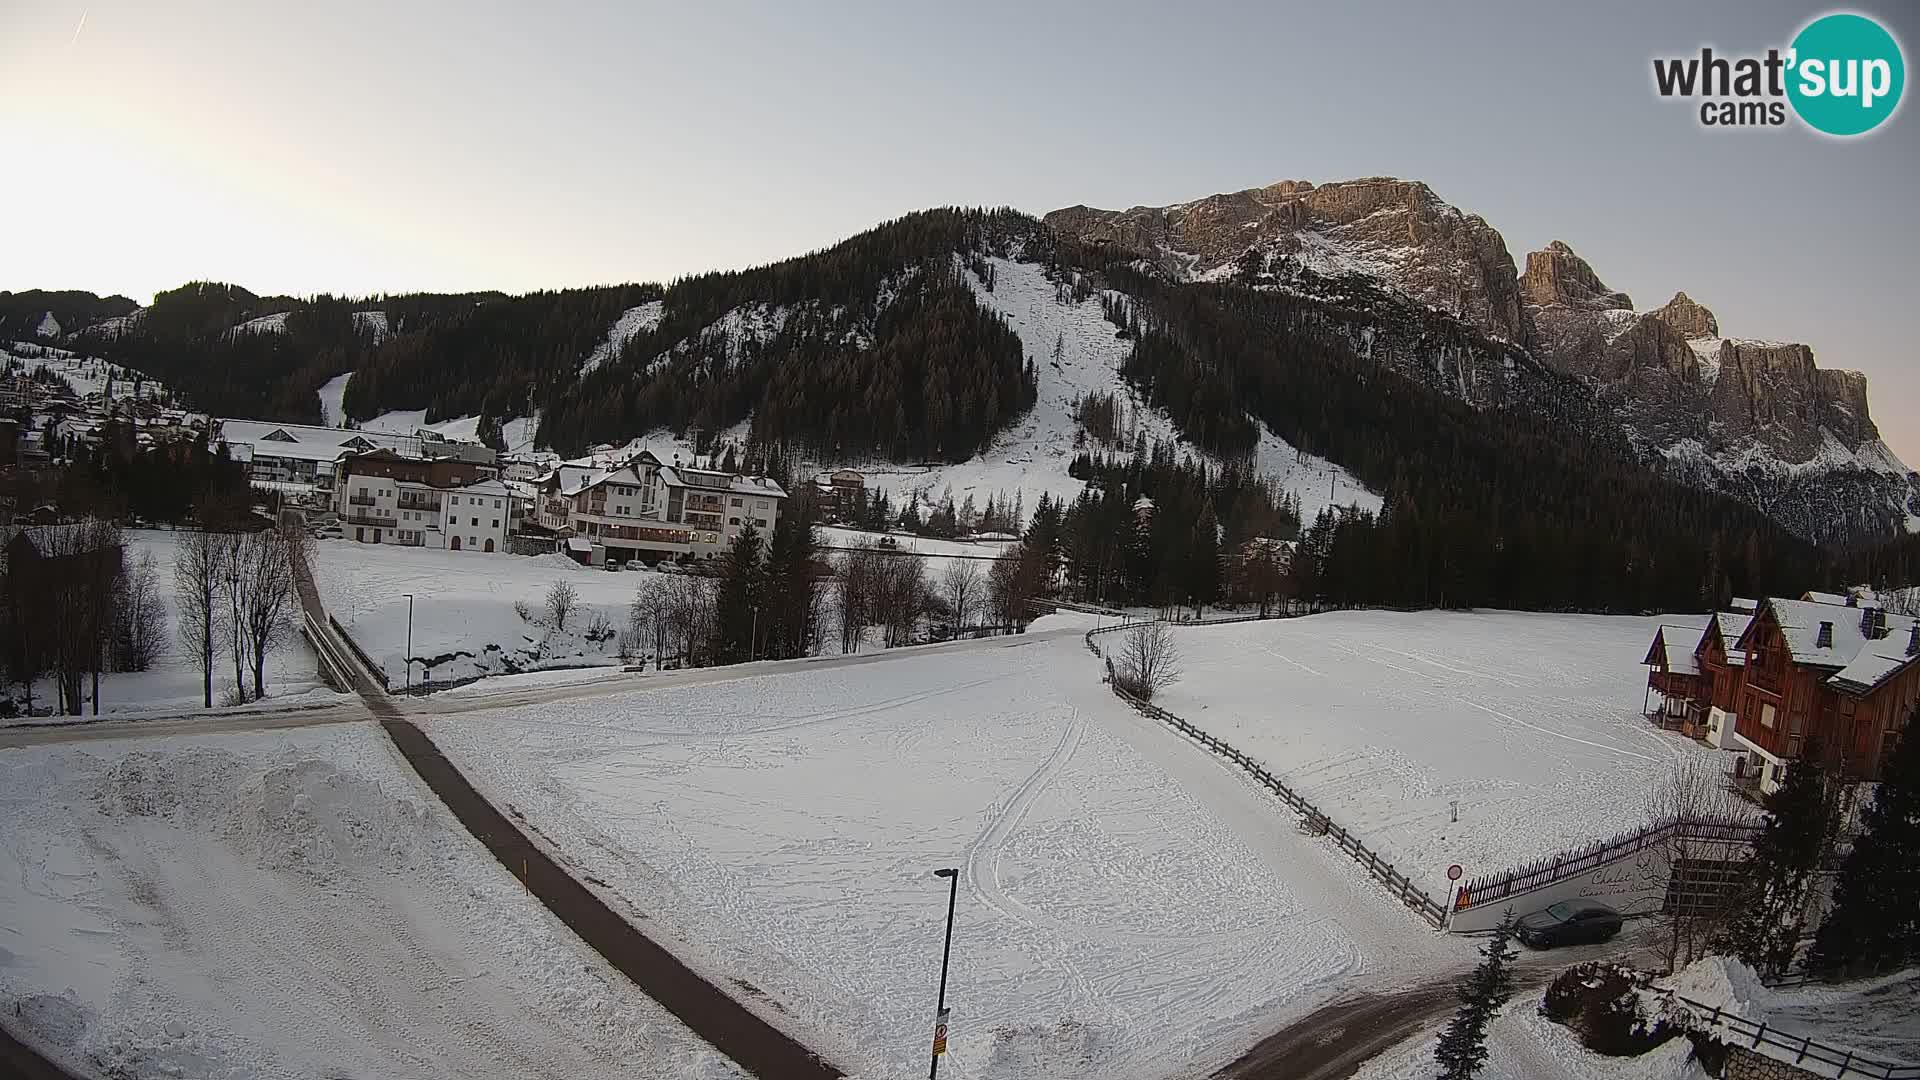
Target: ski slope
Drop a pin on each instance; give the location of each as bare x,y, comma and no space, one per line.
332,393
1530,722
1075,354
1127,907
291,906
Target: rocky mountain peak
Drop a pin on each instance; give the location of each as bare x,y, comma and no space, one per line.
1555,275
1396,231
1691,319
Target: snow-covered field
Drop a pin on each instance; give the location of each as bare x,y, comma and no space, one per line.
286,906
463,615
1531,722
174,684
937,554
1128,907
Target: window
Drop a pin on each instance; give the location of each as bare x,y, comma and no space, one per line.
1766,716
733,521
496,523
496,504
476,523
455,500
736,502
759,504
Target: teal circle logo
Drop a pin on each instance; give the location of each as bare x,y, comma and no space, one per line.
1847,74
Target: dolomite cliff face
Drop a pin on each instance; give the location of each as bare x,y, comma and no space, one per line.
1757,419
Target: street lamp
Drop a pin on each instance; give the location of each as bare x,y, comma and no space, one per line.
940,1017
409,597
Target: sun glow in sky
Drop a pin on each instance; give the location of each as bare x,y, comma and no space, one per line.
361,147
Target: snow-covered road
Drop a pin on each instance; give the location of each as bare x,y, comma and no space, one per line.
1128,907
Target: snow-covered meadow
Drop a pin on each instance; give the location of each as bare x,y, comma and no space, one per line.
1127,906
464,620
1530,722
297,905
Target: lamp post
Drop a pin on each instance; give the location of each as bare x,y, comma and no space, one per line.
409,597
940,1017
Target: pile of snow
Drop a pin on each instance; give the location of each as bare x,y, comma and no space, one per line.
464,623
249,905
1126,907
631,323
332,393
1531,723
1876,1018
1523,1045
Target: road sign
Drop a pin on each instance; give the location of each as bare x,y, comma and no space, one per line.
1454,872
940,1033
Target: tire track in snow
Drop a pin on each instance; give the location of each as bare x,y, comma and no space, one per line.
983,859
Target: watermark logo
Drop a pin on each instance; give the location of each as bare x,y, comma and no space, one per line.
1842,76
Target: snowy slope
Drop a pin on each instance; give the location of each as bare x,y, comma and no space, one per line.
332,414
49,326
265,324
1523,1045
1031,456
1530,722
1126,907
374,322
634,320
227,907
87,375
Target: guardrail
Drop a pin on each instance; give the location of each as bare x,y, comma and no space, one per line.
366,661
1805,1050
1317,820
1539,873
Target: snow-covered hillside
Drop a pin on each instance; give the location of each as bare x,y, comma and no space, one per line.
86,374
633,321
1075,353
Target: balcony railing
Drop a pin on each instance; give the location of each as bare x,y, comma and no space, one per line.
360,500
370,519
419,504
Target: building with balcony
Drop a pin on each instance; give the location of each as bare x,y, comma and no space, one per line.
384,497
650,511
304,455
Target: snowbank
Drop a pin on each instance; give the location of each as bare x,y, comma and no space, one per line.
242,906
1523,1045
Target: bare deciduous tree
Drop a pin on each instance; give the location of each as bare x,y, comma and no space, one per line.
859,572
962,585
1148,661
198,569
140,632
259,583
1703,894
561,599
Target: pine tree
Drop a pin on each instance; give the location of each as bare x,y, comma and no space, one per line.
1765,930
1203,569
1463,1046
1875,922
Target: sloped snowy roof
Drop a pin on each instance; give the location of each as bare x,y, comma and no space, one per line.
307,442
1733,624
1877,660
1741,603
1678,642
1800,622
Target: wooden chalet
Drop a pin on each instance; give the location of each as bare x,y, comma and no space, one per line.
1675,675
1845,673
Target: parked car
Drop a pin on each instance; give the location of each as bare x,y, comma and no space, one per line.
615,564
1569,922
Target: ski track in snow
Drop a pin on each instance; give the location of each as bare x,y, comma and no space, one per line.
1129,909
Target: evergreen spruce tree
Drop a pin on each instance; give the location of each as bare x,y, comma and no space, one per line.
1203,569
736,608
791,588
1766,928
1875,922
1463,1046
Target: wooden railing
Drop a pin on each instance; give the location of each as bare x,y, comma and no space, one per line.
1494,888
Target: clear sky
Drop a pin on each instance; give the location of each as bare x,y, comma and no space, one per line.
364,147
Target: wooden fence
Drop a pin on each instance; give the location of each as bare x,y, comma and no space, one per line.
1493,888
1317,821
1806,1052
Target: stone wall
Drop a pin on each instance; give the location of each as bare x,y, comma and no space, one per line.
1745,1064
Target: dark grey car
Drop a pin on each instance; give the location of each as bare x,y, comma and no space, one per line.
1569,922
